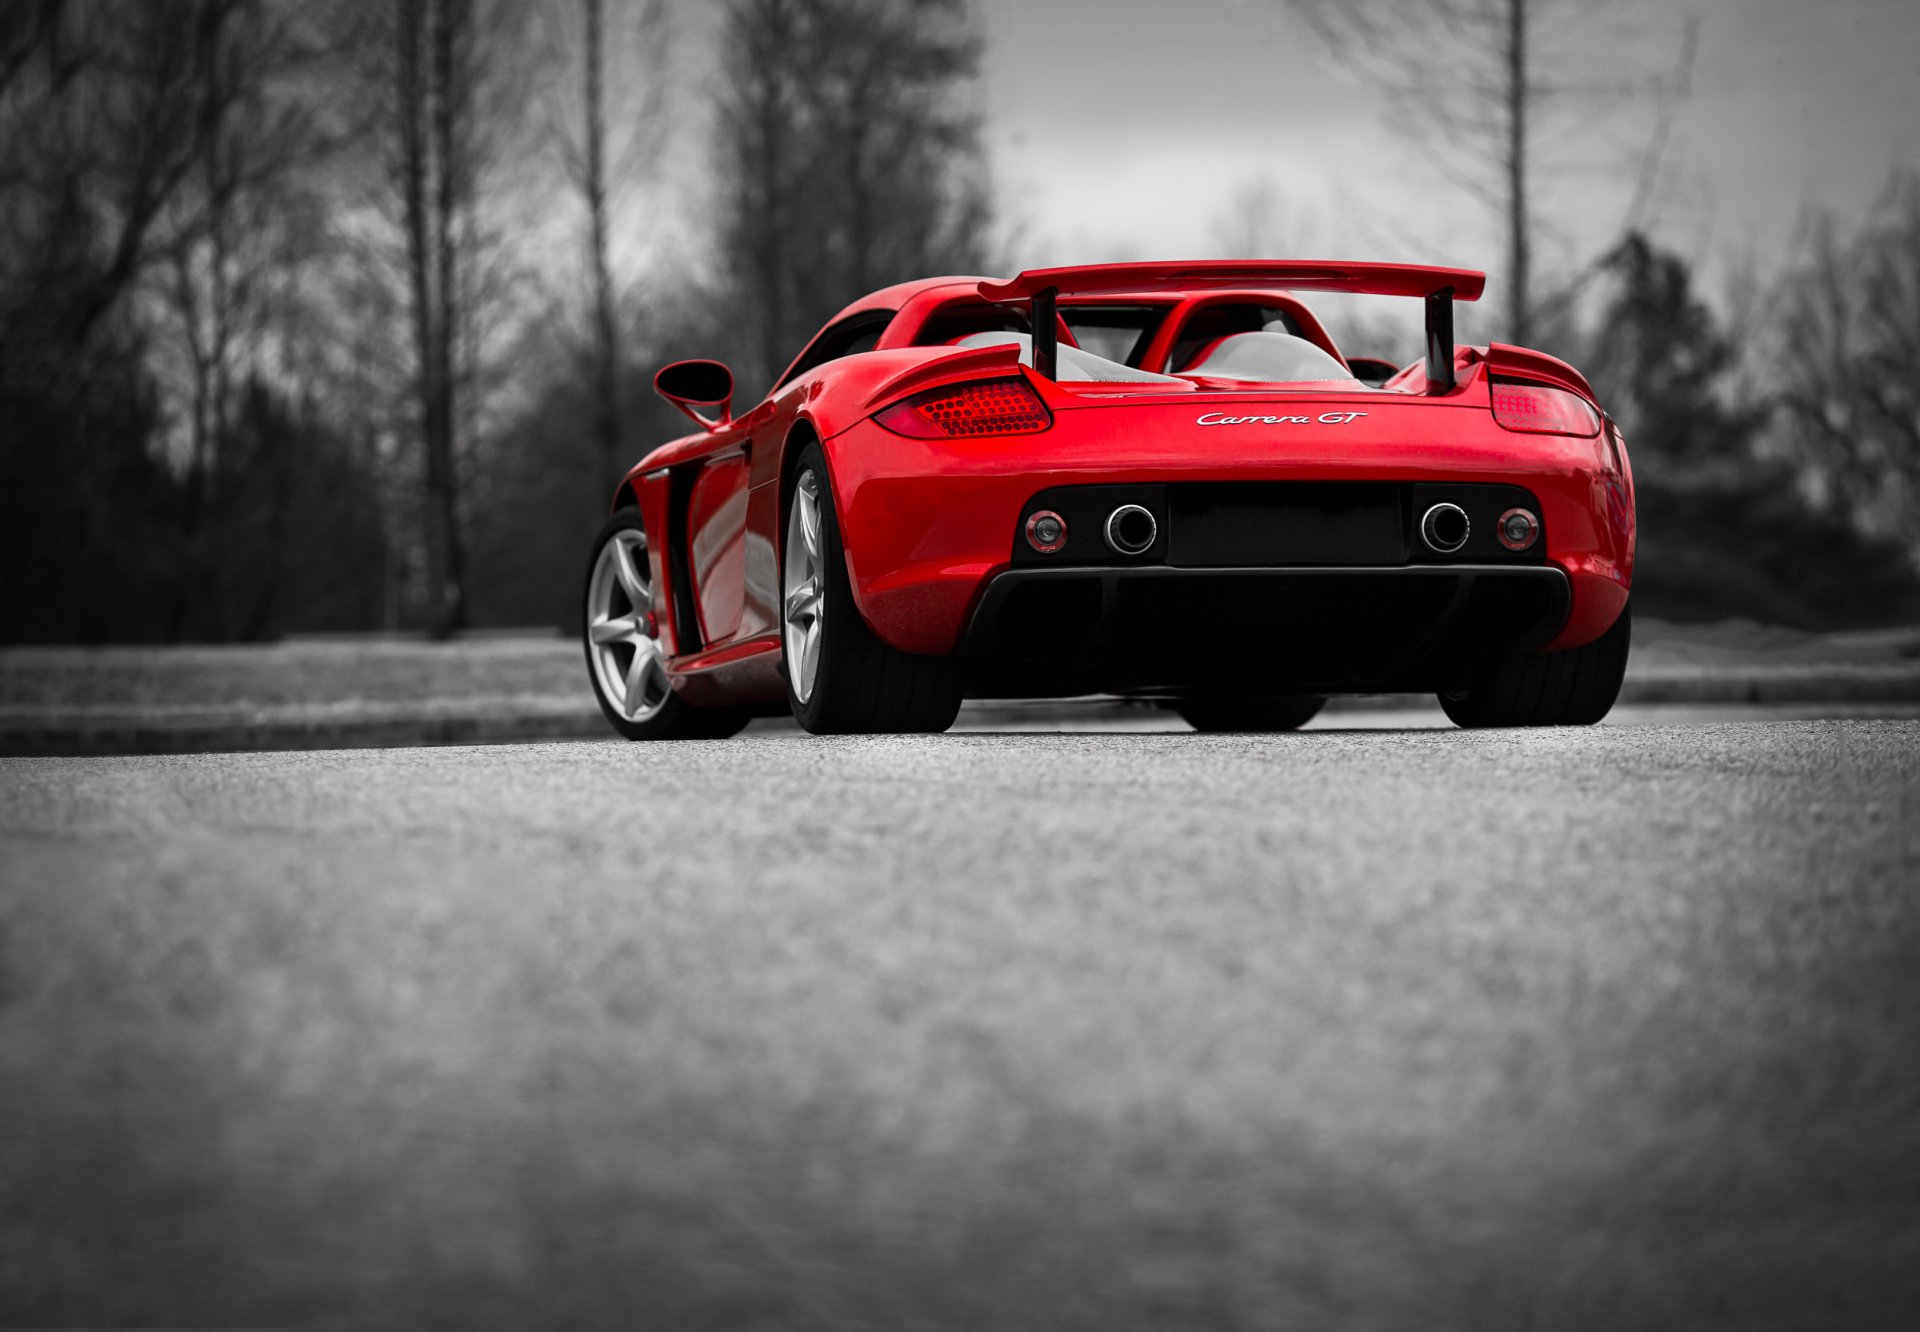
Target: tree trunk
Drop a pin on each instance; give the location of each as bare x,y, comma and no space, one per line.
208,331
447,608
606,349
280,445
772,243
420,268
220,406
193,485
1519,279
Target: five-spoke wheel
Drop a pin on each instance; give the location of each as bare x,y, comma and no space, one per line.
804,602
623,643
625,659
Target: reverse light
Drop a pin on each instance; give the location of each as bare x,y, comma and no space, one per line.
984,407
1518,529
1046,531
1538,409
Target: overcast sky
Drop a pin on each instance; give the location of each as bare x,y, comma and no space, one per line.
1125,128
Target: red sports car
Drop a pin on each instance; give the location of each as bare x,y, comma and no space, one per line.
1159,480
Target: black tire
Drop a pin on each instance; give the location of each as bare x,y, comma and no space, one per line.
1252,713
672,718
860,684
1572,688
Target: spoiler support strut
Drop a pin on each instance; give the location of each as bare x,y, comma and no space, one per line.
1046,333
1440,340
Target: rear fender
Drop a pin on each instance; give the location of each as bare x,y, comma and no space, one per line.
1522,363
865,384
842,393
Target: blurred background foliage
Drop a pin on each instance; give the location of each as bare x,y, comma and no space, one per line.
321,316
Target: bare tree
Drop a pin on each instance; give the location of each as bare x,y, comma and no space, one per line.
1496,91
225,281
758,118
137,143
454,74
158,220
447,94
606,139
606,348
29,33
852,156
104,121
1846,360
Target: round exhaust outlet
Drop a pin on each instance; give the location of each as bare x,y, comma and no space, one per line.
1131,529
1445,528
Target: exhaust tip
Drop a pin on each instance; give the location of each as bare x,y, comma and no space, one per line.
1131,529
1444,528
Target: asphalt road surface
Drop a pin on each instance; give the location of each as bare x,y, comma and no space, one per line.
1356,1029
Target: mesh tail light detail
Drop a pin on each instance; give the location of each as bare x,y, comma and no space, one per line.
1537,409
985,407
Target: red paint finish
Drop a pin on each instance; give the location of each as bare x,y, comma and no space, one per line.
651,493
928,522
717,524
1296,275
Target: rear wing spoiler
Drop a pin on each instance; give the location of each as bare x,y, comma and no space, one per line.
1439,287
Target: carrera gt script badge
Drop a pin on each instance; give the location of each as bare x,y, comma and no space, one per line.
1325,418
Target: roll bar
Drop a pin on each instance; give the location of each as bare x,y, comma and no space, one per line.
1438,287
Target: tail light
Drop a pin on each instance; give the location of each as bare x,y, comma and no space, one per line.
984,407
1540,410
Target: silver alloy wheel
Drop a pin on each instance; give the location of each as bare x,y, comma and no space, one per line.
627,662
804,584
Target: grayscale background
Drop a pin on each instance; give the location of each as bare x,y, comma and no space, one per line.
352,974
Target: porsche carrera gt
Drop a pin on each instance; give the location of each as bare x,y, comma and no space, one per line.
1162,481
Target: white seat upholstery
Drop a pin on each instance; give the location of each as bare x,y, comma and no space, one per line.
1075,365
1270,358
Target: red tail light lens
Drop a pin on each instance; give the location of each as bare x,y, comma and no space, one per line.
1540,410
985,407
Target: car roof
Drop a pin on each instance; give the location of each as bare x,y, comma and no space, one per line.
892,298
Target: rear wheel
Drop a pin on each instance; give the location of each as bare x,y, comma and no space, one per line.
1572,688
1262,712
624,657
840,677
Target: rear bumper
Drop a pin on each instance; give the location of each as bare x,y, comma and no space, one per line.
1146,629
929,525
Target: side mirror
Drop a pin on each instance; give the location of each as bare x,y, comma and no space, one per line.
1370,371
689,385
